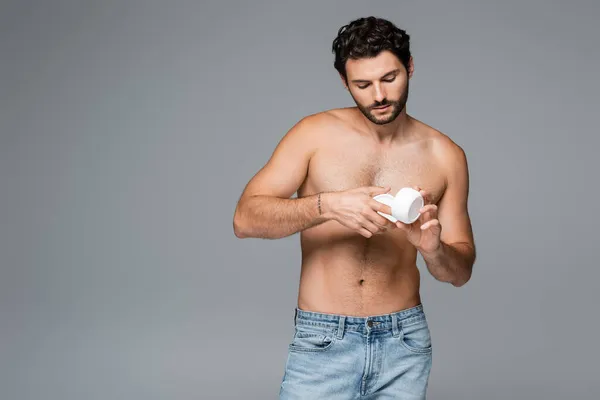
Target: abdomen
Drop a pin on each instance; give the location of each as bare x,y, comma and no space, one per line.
346,273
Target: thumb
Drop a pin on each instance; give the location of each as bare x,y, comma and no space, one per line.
403,226
375,190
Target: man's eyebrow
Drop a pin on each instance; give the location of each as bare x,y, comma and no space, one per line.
386,74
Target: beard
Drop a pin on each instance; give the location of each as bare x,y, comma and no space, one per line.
396,105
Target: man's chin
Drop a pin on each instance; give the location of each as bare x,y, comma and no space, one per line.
378,122
381,120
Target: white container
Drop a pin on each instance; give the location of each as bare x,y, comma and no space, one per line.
405,205
386,199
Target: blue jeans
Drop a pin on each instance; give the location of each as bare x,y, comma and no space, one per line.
344,357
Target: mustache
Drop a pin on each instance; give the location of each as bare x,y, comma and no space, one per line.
384,102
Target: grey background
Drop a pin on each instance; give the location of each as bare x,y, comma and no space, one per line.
129,129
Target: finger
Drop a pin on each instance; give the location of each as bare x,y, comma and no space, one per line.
429,211
376,218
423,193
365,233
375,190
430,224
382,222
403,226
369,215
377,206
369,225
358,228
366,229
389,225
372,227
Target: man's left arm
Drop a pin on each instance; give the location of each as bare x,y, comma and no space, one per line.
453,260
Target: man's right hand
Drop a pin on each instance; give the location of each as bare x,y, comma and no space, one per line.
356,209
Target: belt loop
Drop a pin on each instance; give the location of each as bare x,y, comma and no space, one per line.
340,331
395,327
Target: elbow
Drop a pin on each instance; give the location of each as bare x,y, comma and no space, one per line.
238,228
464,272
239,233
461,281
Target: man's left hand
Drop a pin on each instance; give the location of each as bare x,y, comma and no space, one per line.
425,232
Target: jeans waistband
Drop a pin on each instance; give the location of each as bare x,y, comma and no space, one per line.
391,322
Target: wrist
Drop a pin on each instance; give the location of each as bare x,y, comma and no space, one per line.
435,253
325,201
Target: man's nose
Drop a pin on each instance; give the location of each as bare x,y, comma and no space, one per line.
379,93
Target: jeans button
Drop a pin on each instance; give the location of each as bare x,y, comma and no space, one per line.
370,323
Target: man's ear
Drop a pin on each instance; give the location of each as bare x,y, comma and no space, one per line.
411,67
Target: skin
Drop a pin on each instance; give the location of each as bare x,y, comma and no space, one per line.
354,261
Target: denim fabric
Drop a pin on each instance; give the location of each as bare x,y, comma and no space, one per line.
345,357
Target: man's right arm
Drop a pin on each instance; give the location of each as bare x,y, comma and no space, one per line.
265,209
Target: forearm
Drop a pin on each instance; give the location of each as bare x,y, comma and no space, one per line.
271,217
451,263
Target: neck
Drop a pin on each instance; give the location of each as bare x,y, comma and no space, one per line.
394,131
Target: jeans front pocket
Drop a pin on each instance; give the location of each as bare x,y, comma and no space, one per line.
312,339
416,337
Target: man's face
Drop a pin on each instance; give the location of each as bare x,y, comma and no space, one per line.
379,86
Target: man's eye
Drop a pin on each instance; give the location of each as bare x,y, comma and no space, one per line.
363,86
389,80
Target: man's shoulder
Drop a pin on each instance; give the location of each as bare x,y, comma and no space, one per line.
316,125
310,132
442,145
329,117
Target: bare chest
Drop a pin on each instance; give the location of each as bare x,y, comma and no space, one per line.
347,167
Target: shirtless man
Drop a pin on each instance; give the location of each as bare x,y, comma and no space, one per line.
360,327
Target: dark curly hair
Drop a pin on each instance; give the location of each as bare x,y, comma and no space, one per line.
367,37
